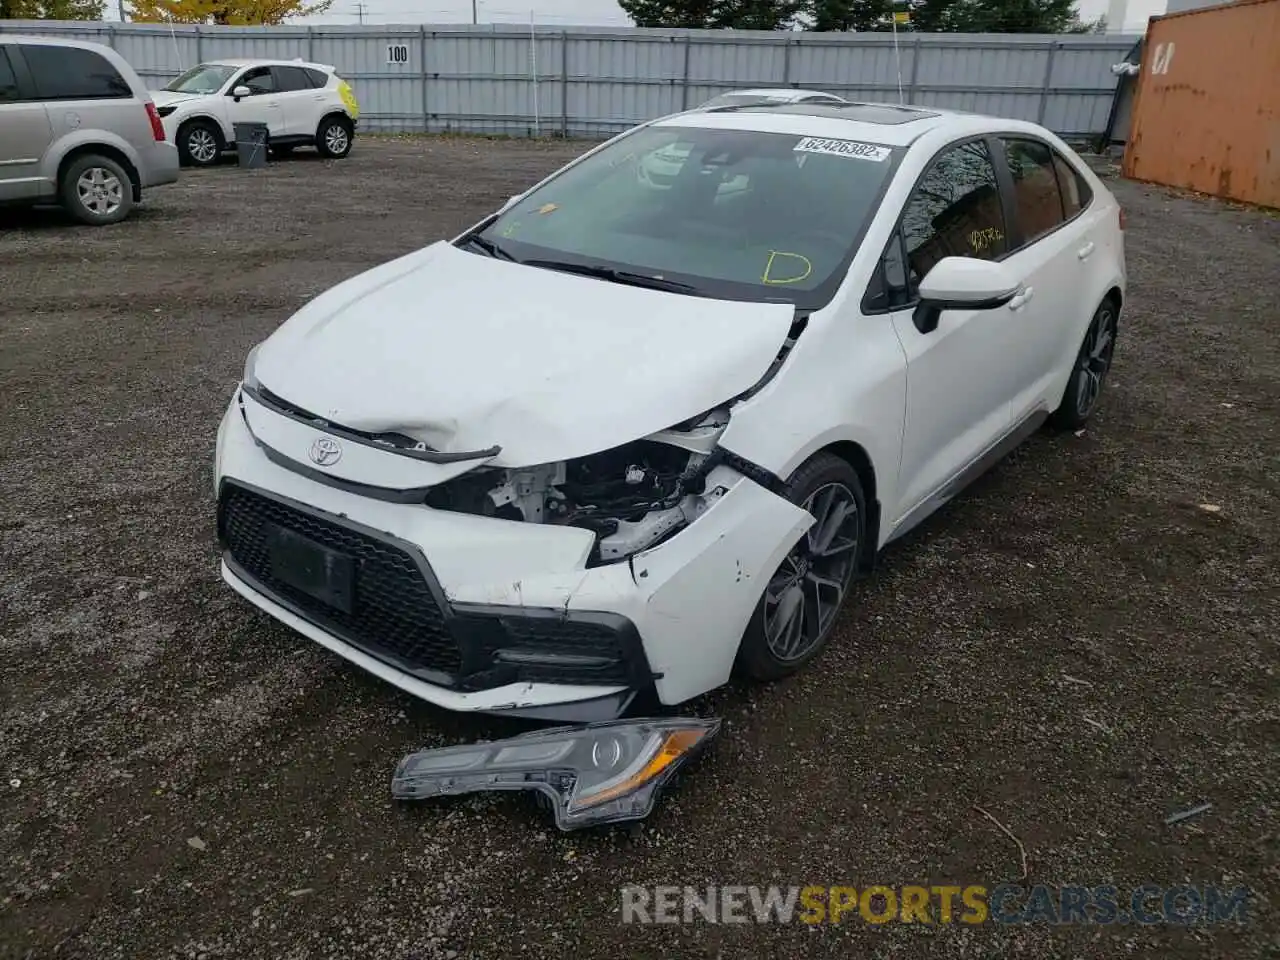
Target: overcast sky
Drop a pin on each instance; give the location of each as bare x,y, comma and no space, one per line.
583,12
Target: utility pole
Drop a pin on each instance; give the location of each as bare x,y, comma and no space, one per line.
120,10
360,8
474,14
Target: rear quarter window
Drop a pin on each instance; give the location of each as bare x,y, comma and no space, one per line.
318,78
71,73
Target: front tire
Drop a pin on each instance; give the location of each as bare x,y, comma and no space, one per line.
1089,373
96,190
333,138
801,603
200,143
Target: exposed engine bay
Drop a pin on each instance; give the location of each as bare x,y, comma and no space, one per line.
632,497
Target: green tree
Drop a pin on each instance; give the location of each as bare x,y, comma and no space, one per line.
51,9
849,14
227,12
714,14
952,16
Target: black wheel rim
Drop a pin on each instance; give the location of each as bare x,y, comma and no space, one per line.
1095,360
805,594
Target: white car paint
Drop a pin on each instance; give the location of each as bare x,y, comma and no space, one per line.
461,352
290,115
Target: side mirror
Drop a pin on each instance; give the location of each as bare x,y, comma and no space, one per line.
963,283
241,91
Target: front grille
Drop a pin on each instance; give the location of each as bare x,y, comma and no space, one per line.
394,615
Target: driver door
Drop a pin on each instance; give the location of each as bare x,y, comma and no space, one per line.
960,383
263,105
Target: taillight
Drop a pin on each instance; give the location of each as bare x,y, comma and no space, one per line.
1122,218
157,126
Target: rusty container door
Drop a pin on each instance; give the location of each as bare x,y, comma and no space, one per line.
1207,114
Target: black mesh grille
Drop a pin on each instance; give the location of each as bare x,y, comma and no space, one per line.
394,613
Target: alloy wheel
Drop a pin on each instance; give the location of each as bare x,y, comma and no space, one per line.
1095,360
804,595
336,139
100,191
201,145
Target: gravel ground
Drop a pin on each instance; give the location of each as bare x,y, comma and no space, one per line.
181,777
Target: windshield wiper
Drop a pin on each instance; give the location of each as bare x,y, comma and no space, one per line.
614,276
489,247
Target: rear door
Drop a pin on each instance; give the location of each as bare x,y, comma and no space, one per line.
301,101
25,133
264,103
1051,250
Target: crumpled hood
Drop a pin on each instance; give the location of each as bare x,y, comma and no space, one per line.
462,351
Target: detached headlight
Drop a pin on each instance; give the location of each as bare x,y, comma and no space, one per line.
594,774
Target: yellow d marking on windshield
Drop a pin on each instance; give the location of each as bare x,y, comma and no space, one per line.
774,257
510,229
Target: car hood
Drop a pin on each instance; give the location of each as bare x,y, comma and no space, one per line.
167,98
462,352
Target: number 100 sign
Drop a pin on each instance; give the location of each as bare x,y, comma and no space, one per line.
397,53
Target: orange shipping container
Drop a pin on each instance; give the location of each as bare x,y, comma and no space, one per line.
1207,112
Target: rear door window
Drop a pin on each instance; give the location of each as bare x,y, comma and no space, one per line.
71,73
1075,191
291,79
1035,187
8,80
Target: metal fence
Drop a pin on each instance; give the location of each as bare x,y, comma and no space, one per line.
584,82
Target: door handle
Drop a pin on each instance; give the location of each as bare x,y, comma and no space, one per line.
1022,298
1085,252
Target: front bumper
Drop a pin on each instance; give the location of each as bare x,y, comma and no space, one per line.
475,613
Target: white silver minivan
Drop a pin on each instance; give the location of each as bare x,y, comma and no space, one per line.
77,127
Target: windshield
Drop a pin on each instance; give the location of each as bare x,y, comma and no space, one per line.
206,78
732,214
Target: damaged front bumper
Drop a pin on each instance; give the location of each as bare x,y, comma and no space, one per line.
478,613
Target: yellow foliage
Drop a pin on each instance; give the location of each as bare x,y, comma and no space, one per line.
238,13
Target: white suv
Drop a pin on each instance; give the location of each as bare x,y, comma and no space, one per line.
302,104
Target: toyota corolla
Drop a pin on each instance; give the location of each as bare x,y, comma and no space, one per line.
616,439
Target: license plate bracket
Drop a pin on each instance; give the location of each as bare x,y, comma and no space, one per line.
302,563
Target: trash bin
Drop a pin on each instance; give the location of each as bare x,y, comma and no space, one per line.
251,144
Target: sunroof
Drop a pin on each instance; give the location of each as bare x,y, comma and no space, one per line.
886,113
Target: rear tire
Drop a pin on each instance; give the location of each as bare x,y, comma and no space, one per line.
334,136
96,190
1089,372
801,603
200,143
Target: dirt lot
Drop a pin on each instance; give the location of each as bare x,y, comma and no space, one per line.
144,705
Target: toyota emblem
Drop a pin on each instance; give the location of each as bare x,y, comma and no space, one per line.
326,451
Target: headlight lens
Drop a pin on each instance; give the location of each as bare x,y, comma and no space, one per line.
250,362
594,774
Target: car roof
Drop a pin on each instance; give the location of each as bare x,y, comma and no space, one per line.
890,124
53,42
263,62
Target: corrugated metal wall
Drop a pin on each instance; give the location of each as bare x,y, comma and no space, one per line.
596,82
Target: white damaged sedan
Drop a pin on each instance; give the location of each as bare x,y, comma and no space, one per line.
616,439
